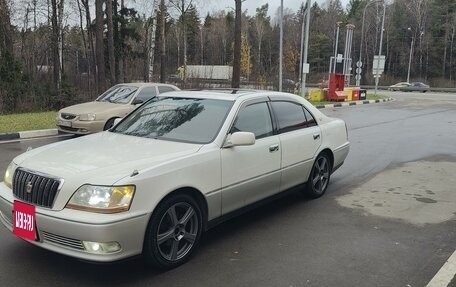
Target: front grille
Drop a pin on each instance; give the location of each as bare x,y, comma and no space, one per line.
62,241
35,188
67,116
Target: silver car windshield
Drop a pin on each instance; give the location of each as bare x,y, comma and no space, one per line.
177,119
119,94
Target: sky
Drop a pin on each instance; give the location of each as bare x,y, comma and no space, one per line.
251,5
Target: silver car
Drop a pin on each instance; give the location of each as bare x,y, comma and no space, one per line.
176,166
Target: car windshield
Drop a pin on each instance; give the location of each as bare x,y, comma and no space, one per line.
119,94
177,119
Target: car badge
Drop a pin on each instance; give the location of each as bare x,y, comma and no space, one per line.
28,187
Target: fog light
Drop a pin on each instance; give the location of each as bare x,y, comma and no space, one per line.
101,247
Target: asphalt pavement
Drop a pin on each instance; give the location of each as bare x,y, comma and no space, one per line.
388,218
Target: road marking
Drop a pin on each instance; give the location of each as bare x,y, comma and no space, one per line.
445,274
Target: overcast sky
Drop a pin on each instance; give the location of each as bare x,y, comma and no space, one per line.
251,5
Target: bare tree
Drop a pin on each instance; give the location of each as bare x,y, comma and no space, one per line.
235,81
162,42
182,7
57,41
111,56
6,42
99,45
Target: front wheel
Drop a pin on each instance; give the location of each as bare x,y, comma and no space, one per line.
109,124
174,231
319,176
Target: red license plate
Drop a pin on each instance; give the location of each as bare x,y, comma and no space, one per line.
24,220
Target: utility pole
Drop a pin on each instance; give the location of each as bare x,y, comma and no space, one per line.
377,77
305,66
281,46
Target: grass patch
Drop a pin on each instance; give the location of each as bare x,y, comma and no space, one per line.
27,121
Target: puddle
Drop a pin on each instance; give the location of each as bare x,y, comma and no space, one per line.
428,193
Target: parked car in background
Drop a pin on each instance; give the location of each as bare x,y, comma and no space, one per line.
177,165
418,87
116,102
409,87
399,86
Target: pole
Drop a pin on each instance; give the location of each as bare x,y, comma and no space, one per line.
410,61
380,49
335,48
281,45
306,50
302,44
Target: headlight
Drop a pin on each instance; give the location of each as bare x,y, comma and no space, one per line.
87,117
8,179
102,199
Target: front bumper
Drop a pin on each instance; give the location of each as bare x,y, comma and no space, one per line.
82,127
62,232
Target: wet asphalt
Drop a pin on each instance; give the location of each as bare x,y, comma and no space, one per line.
340,239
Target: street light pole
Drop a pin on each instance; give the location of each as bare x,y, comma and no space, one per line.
281,46
380,49
410,58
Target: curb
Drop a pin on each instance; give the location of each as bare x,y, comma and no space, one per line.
347,104
28,134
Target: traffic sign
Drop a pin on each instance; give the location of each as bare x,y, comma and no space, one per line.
358,70
358,77
359,64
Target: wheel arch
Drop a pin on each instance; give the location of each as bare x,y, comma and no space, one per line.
330,154
196,195
107,121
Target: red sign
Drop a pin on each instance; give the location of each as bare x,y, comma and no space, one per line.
24,220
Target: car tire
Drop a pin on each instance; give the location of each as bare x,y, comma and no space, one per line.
173,232
320,174
109,124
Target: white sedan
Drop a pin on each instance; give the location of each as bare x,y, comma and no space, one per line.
171,169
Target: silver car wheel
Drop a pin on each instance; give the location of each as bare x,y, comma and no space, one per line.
177,231
320,174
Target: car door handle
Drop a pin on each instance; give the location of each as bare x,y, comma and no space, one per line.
316,136
274,148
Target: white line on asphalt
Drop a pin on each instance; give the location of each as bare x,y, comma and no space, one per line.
445,274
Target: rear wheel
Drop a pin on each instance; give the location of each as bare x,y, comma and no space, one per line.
319,176
174,231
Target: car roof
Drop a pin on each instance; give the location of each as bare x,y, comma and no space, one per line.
225,94
143,84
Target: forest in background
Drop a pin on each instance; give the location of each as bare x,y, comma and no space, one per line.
55,52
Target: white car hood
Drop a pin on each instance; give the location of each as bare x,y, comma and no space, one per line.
102,158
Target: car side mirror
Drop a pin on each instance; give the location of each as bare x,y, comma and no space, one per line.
137,101
240,139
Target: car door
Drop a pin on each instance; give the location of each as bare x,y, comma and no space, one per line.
300,138
250,173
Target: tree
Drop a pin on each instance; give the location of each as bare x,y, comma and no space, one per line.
236,79
99,45
260,25
57,41
182,6
110,36
246,65
6,41
162,42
